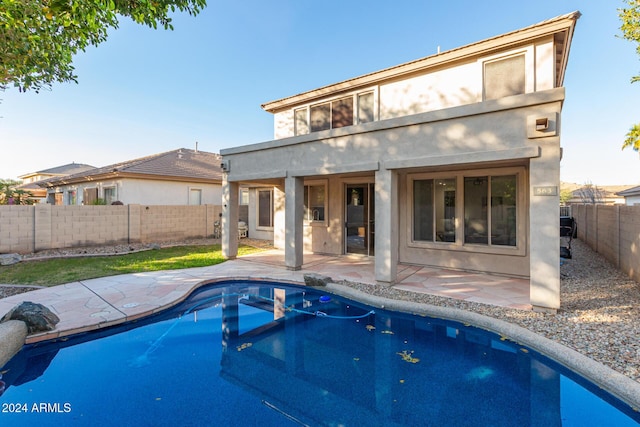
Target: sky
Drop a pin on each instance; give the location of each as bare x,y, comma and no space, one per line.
148,91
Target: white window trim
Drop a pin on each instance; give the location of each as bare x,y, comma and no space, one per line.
201,195
521,209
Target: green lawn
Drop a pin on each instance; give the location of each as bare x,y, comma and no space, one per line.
64,270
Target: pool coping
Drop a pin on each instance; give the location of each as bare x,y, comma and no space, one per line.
615,383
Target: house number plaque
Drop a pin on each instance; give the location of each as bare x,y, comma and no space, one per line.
545,191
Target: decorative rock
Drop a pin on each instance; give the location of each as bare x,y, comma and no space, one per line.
12,335
155,246
9,259
37,317
314,279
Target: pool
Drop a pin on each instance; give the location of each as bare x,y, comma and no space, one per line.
268,354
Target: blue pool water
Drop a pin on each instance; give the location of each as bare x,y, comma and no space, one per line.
248,354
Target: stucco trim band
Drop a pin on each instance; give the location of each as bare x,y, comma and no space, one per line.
331,170
463,158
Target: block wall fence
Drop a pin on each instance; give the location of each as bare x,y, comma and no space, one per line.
25,229
613,232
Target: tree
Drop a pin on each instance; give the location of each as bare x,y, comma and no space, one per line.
38,38
9,195
630,28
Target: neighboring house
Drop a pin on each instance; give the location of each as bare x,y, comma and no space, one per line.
30,180
595,194
451,161
178,177
631,196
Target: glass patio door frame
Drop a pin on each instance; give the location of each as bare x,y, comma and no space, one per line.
359,214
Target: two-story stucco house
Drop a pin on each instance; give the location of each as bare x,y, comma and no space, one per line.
451,161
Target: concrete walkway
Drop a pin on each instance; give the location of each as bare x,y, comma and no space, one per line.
97,303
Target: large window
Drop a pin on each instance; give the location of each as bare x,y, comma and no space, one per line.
314,202
434,210
490,210
265,208
504,77
337,113
488,203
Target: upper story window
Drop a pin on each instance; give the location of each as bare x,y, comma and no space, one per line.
337,113
504,77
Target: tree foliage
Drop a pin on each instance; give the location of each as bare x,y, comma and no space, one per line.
9,195
630,17
38,38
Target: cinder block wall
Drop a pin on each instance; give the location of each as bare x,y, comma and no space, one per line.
16,229
26,229
614,232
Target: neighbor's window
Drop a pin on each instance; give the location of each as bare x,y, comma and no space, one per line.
490,210
195,196
110,195
434,210
314,202
265,208
504,77
71,198
89,196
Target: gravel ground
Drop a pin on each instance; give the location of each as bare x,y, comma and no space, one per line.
599,314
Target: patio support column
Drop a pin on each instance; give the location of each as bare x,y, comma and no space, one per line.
229,222
544,223
386,225
293,216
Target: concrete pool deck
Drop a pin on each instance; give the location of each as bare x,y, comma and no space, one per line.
97,303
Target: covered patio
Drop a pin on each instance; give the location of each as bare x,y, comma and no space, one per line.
483,288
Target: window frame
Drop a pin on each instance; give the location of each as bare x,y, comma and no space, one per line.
529,68
115,193
355,111
459,244
317,183
192,190
271,206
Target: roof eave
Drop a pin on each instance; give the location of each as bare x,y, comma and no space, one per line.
547,28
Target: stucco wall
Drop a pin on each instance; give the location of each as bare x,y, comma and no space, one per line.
451,86
491,134
149,192
25,229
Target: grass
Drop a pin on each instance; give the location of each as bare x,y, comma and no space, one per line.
64,270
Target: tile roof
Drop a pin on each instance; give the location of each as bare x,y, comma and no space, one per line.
68,169
180,164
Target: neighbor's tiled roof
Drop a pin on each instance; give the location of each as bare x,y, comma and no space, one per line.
633,191
68,169
178,164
